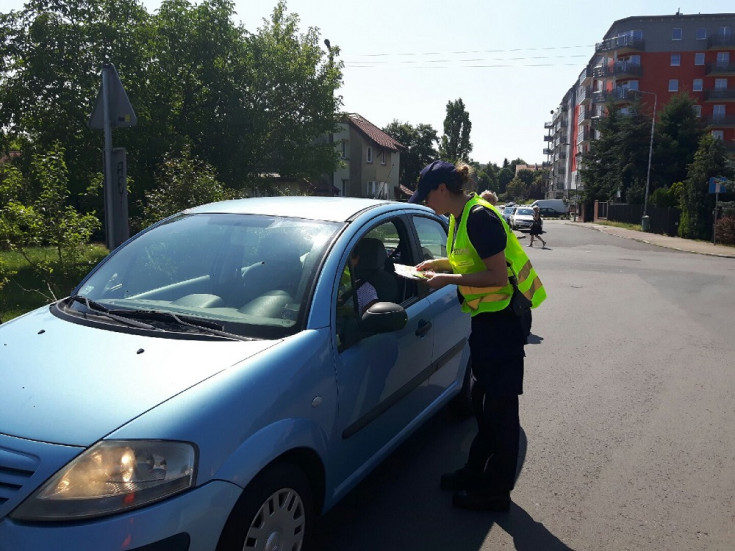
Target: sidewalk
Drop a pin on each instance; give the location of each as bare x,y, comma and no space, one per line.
678,243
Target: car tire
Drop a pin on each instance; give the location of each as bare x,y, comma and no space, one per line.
461,405
275,511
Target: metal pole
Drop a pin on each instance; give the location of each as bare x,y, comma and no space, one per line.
714,224
108,184
650,154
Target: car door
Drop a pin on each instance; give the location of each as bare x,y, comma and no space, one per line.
382,380
451,327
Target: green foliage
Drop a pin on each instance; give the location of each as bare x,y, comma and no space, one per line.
455,143
677,136
663,197
35,213
617,163
696,201
183,182
26,288
420,142
248,103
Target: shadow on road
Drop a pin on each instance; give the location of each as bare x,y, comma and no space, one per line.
399,507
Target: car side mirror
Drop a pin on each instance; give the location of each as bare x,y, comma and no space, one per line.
383,317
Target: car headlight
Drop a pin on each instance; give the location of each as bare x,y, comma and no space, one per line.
110,477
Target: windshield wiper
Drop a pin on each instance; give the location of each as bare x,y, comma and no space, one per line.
207,327
99,309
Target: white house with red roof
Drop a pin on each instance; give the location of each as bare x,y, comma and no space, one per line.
370,160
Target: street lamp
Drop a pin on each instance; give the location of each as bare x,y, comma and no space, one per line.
645,225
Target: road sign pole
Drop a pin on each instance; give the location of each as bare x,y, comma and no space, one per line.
108,185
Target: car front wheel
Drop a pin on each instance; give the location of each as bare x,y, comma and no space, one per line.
275,512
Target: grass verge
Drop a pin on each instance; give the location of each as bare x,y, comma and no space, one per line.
26,290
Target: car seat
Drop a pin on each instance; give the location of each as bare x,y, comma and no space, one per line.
373,268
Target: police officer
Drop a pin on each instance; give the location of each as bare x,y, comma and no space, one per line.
484,257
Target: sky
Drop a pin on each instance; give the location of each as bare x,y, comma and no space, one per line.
510,62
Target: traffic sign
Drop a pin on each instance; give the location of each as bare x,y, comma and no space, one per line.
121,111
717,184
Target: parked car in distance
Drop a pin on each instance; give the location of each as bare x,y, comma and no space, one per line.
212,385
553,207
522,218
507,212
547,212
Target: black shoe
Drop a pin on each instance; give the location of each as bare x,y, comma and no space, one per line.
499,503
461,479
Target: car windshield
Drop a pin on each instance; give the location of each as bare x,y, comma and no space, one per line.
528,212
250,274
509,210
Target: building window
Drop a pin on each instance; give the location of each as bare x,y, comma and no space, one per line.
720,84
697,85
344,149
699,58
697,110
675,60
345,188
723,59
676,34
674,85
369,154
382,157
701,33
726,32
718,111
718,134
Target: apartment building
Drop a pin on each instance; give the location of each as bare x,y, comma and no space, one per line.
653,57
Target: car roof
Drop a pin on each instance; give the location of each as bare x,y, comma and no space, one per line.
332,209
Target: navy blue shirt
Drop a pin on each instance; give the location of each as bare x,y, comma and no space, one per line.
486,232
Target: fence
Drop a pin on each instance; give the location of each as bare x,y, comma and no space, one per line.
662,220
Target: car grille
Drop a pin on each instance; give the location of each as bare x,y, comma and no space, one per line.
15,470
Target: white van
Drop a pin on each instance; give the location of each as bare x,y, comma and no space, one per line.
552,207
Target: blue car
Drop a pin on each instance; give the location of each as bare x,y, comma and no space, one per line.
212,383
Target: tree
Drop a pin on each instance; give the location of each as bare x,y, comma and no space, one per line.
52,56
678,132
455,143
617,162
183,181
35,213
248,104
420,142
697,203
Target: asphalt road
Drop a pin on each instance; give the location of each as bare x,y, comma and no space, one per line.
628,418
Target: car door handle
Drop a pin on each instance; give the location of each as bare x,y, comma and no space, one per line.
424,327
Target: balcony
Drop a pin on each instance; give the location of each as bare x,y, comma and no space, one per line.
721,122
622,44
548,151
548,138
719,95
620,69
720,69
586,77
617,95
584,135
721,42
548,125
584,95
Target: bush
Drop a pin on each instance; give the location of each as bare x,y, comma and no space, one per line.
725,230
35,214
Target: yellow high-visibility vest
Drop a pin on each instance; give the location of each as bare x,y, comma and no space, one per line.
464,259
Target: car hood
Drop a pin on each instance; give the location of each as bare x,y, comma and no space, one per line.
72,384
